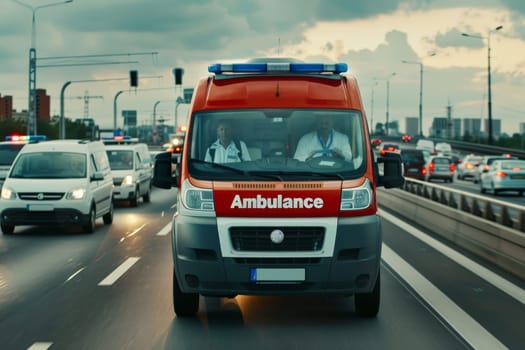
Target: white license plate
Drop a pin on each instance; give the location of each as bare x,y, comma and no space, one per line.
40,207
277,275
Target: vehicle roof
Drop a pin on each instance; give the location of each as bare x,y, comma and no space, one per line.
62,145
277,91
130,146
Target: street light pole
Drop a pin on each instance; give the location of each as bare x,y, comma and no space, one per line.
388,101
387,79
489,81
372,109
420,92
115,109
31,110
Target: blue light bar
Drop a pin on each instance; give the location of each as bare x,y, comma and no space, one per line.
334,68
25,138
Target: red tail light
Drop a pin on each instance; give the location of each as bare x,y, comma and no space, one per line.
500,174
424,171
452,167
431,168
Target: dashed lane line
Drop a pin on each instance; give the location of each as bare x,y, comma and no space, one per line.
40,346
165,230
118,272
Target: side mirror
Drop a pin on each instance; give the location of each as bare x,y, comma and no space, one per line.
162,174
390,170
97,176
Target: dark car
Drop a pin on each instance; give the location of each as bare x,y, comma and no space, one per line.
413,163
388,147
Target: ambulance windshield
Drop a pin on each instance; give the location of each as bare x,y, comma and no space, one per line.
294,144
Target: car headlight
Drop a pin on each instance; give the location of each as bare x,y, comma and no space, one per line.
77,193
196,198
7,194
128,180
356,198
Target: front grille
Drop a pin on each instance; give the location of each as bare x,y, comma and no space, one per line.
117,181
296,239
41,196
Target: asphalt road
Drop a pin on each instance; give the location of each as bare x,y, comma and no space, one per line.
63,289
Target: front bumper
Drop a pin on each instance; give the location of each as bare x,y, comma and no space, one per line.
22,216
124,193
349,265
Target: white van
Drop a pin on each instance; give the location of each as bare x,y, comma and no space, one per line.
62,182
132,172
443,148
426,145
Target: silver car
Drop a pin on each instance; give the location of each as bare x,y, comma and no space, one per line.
504,175
439,167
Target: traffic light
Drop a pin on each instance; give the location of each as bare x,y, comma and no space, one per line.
178,72
133,78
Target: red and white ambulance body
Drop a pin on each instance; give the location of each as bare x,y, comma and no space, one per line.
271,221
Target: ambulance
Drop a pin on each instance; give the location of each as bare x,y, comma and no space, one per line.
284,210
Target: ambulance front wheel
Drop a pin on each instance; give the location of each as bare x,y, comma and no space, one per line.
367,304
184,304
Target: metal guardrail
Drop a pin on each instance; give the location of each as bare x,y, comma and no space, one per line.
506,214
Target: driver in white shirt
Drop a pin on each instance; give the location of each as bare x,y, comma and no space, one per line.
324,142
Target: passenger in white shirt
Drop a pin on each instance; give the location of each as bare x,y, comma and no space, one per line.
325,141
225,149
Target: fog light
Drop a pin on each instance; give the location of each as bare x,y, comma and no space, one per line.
192,280
362,281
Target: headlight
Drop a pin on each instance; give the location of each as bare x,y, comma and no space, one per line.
356,198
7,194
77,193
128,180
196,198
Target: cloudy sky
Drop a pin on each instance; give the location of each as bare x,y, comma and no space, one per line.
372,36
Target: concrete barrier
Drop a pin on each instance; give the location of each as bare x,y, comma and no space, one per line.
498,244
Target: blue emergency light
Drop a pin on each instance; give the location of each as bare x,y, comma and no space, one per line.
275,67
25,138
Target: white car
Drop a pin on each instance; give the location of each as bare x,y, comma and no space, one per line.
504,175
63,182
132,170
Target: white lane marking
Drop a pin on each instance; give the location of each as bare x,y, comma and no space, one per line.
468,328
162,214
118,272
489,276
133,233
40,346
165,230
73,275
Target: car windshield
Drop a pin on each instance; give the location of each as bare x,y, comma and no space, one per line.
49,165
288,142
120,159
8,153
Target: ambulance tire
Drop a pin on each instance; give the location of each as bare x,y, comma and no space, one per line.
7,229
367,304
184,304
